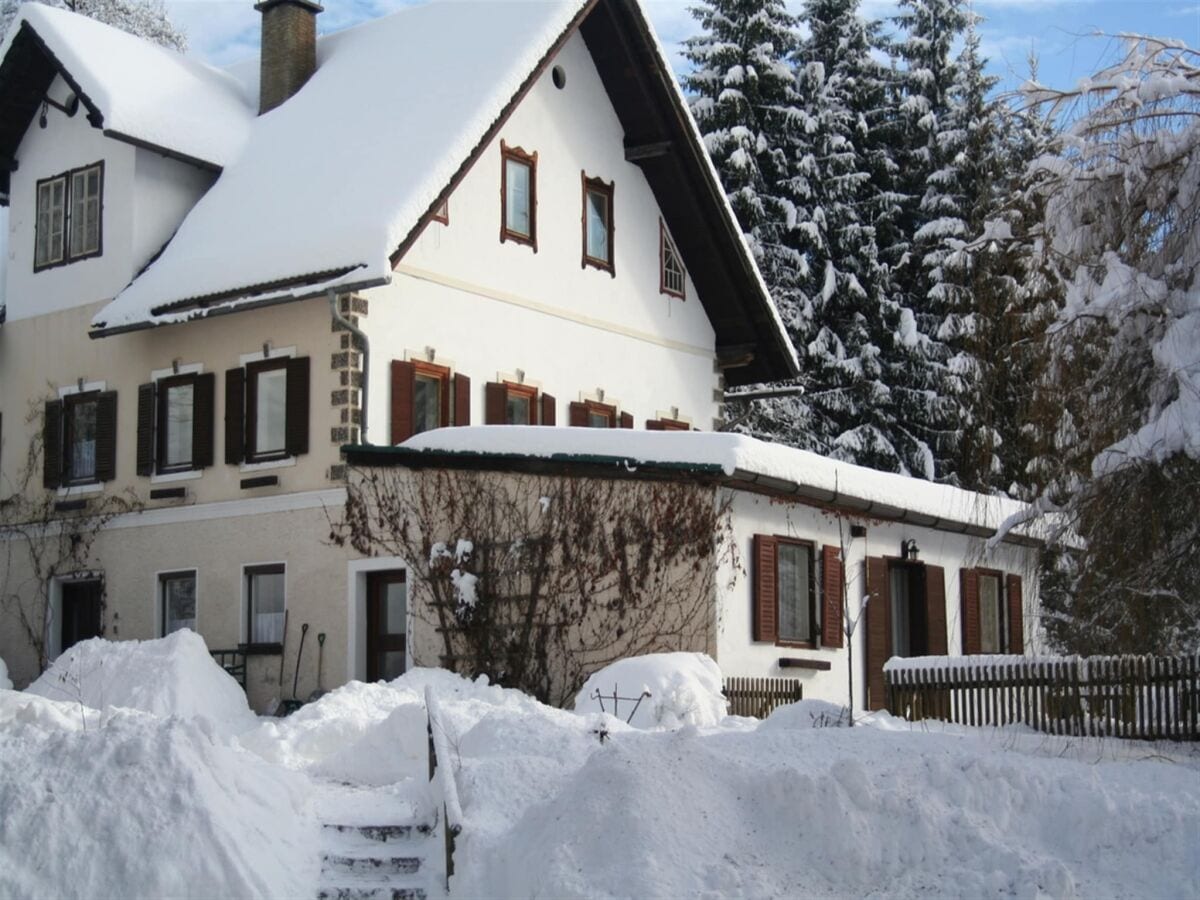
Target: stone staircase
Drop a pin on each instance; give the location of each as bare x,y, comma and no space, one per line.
377,862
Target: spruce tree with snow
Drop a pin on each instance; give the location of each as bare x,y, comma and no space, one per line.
144,18
743,100
929,138
1122,225
845,320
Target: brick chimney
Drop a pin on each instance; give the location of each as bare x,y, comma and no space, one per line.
289,49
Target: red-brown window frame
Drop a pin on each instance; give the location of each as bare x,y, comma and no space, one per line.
604,409
1002,604
527,391
607,189
667,425
443,374
519,155
442,213
664,238
813,606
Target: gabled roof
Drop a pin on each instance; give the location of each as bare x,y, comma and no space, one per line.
329,189
134,90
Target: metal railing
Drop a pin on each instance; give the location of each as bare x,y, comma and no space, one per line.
440,771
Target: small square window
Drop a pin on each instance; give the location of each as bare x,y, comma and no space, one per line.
518,196
598,224
178,592
265,604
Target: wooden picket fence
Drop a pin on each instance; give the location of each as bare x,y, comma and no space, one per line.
1145,697
759,696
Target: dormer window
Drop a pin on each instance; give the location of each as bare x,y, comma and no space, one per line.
69,208
598,224
518,196
672,278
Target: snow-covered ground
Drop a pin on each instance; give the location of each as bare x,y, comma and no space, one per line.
556,803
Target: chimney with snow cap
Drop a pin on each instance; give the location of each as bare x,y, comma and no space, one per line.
289,49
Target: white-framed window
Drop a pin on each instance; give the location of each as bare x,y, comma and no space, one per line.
177,594
265,602
69,217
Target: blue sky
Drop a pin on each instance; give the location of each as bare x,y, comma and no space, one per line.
1061,32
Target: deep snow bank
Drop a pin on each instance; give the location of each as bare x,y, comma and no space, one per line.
788,809
174,675
684,688
137,806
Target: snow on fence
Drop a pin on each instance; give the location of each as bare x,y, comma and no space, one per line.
440,768
759,696
1147,697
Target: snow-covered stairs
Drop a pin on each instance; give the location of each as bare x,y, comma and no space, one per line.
375,846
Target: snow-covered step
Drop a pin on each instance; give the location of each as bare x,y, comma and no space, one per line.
381,833
382,866
372,893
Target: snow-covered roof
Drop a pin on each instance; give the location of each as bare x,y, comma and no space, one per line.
742,460
332,181
137,90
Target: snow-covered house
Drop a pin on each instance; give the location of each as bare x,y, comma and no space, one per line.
462,213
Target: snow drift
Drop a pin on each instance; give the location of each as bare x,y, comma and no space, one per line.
137,806
684,688
174,675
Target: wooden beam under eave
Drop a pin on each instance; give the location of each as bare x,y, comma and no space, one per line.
735,356
654,150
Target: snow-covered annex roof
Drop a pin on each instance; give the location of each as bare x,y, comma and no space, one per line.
134,90
739,461
327,190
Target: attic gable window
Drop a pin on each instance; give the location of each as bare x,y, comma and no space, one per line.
672,277
69,217
518,196
598,224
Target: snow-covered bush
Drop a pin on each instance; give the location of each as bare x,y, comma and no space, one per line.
174,675
684,689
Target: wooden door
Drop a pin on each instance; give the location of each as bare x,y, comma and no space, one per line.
80,611
387,625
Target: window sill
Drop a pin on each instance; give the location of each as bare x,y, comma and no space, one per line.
167,477
284,463
79,490
817,665
798,645
261,649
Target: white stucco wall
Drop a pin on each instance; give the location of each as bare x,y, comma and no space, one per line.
739,654
145,198
489,307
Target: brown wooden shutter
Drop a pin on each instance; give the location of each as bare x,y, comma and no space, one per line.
52,444
295,417
462,400
626,420
766,590
878,630
1016,615
577,415
548,410
106,436
935,610
203,411
235,416
495,404
403,400
832,581
969,588
655,425
145,428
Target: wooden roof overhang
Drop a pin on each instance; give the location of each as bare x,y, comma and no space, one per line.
574,465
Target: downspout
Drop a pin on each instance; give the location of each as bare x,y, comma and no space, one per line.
366,360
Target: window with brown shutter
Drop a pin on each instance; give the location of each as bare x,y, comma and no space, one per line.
1016,615
878,624
80,439
548,410
266,411
832,588
591,414
175,424
667,425
507,403
989,625
785,591
422,395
